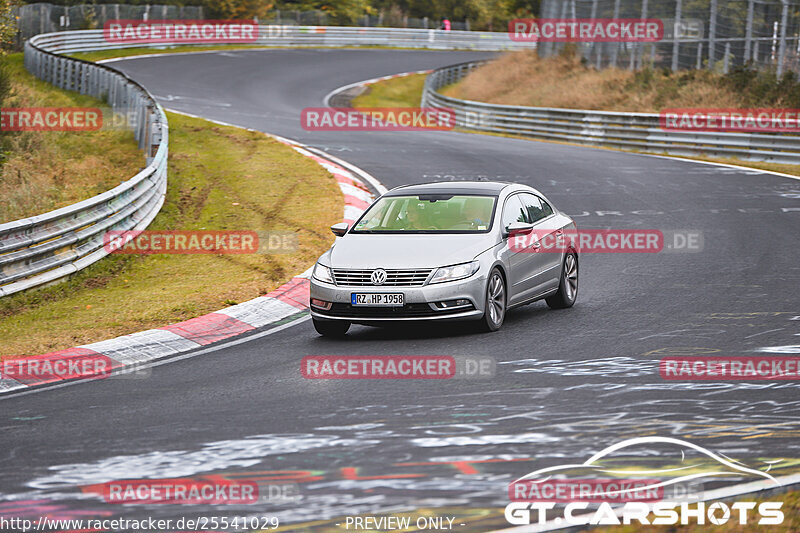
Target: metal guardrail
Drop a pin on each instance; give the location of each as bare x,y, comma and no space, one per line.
41,249
630,131
70,42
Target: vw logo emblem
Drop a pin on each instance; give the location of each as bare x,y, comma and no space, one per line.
378,276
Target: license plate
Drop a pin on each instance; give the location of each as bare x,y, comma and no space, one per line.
371,299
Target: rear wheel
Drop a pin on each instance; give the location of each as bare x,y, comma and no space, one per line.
495,312
568,287
331,328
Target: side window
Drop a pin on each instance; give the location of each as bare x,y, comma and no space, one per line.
536,208
513,211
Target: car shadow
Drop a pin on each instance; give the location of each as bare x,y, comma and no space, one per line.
526,315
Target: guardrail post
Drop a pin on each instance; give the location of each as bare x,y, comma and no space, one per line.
712,33
81,78
699,55
748,31
782,46
726,62
675,29
563,15
155,141
615,46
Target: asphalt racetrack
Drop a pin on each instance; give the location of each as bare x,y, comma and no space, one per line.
567,384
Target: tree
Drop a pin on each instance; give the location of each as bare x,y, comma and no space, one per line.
339,11
237,9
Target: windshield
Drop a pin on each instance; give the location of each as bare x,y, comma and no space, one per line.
428,213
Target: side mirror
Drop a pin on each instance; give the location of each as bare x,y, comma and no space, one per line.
340,229
518,228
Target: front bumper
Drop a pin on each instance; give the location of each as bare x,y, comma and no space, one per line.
418,301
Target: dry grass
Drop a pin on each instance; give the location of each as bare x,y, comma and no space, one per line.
522,78
43,171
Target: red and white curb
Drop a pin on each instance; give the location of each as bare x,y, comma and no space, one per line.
285,304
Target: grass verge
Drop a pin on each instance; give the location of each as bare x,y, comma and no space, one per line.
405,91
45,170
219,178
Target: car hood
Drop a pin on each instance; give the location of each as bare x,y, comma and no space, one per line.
406,251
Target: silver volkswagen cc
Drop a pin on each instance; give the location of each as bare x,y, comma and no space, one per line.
442,251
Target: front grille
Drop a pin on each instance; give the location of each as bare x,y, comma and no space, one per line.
407,311
394,278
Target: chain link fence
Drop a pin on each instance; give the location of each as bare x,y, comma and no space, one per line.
712,34
33,19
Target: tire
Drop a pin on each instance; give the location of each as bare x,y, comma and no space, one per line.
568,286
331,328
496,301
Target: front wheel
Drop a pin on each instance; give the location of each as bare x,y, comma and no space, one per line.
568,287
331,328
495,312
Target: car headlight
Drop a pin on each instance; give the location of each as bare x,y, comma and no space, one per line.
452,273
322,273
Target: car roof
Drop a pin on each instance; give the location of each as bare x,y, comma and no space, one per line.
451,187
